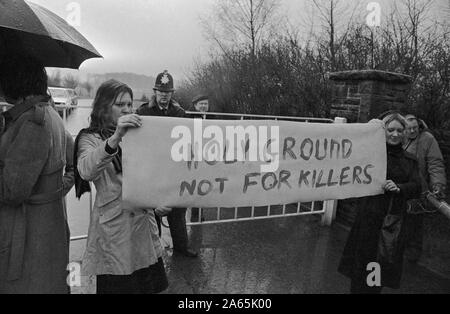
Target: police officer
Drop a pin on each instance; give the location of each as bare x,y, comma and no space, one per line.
162,104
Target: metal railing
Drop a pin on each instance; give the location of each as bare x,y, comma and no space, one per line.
300,210
243,116
328,210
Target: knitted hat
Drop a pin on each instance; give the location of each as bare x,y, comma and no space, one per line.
199,98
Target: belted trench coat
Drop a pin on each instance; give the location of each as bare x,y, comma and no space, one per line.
120,241
33,231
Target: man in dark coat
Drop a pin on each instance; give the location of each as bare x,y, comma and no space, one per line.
34,242
422,144
162,105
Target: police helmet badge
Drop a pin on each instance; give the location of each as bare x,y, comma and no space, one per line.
164,82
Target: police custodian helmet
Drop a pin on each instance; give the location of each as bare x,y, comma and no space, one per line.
164,82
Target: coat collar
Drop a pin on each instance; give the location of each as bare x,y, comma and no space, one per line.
15,112
154,104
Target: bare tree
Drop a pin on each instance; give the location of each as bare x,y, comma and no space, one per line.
55,79
413,18
332,14
70,81
240,22
288,75
87,86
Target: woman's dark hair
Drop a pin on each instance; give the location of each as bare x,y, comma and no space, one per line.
101,123
22,76
106,95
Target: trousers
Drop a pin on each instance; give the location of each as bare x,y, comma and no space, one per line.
177,226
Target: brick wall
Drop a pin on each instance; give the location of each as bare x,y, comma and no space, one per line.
362,95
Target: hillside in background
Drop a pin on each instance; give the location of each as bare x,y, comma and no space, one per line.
86,84
140,84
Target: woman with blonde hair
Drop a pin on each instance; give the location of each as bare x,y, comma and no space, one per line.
379,234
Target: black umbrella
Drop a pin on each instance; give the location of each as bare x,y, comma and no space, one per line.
29,28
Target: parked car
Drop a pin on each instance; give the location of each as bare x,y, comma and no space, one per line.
63,97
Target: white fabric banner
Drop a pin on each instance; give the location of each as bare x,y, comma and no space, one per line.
177,162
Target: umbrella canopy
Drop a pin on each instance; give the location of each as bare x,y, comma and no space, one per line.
29,28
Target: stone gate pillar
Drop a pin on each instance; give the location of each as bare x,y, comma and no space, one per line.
361,96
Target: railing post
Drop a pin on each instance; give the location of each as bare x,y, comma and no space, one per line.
65,116
330,206
330,212
340,120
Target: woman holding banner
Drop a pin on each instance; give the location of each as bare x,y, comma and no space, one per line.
373,255
123,248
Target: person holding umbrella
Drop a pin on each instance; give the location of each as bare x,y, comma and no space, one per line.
33,231
32,29
34,235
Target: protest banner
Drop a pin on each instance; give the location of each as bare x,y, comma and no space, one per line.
177,162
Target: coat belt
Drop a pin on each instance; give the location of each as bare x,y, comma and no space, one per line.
19,232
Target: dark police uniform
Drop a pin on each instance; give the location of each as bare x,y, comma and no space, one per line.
177,218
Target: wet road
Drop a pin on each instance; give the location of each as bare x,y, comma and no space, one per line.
78,210
280,256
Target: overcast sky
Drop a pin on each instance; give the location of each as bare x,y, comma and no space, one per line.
148,36
141,36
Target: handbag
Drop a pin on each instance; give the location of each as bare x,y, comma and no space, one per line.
420,206
390,240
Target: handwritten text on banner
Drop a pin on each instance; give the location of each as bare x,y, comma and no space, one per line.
206,163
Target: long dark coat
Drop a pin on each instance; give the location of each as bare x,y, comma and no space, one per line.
33,232
362,244
431,162
177,217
